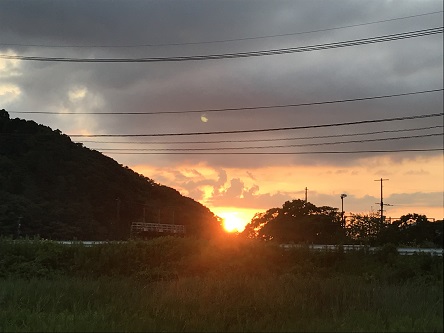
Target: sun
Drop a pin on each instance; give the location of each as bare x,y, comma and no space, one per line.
232,222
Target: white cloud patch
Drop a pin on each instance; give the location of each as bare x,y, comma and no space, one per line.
77,94
72,98
10,67
9,93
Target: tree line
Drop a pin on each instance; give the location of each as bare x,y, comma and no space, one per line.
299,221
56,189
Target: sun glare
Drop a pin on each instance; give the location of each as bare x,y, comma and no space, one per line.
232,222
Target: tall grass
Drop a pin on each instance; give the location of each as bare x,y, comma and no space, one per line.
232,285
219,303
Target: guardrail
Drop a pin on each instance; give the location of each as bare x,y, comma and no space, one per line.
347,248
408,251
157,227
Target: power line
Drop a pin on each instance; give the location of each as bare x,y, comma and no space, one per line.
309,48
265,140
276,153
222,40
266,129
276,146
260,107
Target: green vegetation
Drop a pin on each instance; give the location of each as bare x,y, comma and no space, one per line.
297,221
57,189
302,222
226,284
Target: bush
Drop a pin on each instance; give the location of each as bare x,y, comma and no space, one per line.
387,254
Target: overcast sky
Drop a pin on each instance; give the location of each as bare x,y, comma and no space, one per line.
241,182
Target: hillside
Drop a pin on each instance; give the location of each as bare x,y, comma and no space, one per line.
58,189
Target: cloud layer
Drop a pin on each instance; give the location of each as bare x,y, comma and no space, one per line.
79,29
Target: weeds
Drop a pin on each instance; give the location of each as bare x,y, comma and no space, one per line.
170,284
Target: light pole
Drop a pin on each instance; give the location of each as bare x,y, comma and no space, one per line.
343,195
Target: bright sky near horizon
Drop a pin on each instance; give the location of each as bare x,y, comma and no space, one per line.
250,129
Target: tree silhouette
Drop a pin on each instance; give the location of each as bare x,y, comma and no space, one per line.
62,190
297,221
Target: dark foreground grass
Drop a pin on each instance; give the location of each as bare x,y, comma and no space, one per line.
185,285
220,303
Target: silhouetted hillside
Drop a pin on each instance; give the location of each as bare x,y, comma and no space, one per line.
58,189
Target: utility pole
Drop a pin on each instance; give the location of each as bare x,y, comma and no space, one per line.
306,189
382,202
343,195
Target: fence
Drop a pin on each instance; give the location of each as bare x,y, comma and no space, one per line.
142,227
347,248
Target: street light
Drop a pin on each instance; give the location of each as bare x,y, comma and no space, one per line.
343,195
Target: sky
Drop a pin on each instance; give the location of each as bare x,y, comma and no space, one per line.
323,119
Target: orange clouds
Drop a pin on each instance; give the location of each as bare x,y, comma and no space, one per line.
415,185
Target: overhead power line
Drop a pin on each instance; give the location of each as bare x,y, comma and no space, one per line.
264,140
277,153
265,129
259,107
222,40
309,48
275,146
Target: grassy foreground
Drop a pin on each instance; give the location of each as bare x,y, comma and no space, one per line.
230,285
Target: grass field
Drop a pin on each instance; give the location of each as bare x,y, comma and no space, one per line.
187,285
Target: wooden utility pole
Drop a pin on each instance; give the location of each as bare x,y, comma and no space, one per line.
382,201
343,195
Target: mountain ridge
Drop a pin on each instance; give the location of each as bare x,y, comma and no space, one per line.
54,188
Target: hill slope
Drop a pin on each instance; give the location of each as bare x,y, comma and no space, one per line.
58,189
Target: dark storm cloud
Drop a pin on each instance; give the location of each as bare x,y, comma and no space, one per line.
386,68
162,22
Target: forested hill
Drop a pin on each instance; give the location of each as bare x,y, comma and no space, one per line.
57,189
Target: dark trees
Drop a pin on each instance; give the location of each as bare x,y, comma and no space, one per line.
302,222
415,230
61,190
409,230
297,221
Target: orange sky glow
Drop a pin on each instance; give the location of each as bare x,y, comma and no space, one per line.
260,189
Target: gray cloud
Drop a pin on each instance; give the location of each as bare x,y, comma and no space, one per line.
386,68
434,199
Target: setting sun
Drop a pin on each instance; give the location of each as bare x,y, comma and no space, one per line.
232,222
